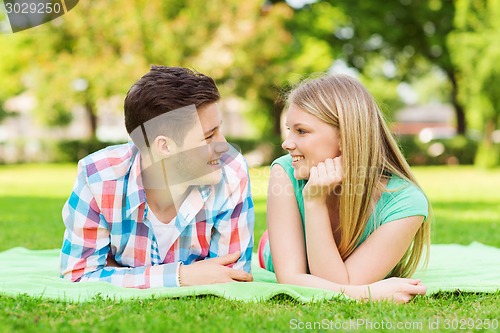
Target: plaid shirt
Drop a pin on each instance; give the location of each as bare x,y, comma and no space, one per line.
106,216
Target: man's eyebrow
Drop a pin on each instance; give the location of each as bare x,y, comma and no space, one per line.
213,129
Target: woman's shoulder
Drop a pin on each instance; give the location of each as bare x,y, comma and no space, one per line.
399,187
402,198
285,161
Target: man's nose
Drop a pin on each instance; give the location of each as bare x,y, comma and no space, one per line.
221,147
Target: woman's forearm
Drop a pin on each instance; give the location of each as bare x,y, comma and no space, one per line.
399,290
322,252
308,280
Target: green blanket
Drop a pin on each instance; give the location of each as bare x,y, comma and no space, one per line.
473,268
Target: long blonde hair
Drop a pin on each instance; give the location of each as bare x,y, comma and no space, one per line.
368,151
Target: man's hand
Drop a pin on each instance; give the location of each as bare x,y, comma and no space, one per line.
323,179
213,271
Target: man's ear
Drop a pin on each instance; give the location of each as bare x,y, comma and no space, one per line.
164,146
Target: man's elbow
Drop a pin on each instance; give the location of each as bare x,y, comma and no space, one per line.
73,276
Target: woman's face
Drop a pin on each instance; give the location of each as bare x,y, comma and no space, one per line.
309,141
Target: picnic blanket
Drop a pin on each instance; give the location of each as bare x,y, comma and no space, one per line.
472,268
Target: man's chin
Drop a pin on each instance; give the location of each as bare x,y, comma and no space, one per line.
212,178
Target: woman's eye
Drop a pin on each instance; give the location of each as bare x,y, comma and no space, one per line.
209,137
301,131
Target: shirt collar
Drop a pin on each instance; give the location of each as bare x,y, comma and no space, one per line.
190,207
135,195
233,170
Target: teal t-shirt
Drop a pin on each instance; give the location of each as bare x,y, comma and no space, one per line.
402,199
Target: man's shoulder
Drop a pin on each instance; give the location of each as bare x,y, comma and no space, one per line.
234,173
234,164
112,162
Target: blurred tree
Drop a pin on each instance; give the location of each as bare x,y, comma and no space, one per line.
394,40
100,48
266,64
81,58
9,46
231,41
405,32
302,53
10,62
250,48
476,52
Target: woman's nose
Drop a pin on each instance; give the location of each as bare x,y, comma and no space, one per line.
288,144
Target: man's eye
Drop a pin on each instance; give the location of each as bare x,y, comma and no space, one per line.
209,137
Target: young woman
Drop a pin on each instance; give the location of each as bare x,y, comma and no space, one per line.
344,211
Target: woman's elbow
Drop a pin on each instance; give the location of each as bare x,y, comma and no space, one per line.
284,279
288,278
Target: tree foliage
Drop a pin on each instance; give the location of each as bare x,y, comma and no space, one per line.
100,48
476,52
256,50
393,41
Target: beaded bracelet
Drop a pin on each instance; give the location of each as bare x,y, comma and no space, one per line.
179,284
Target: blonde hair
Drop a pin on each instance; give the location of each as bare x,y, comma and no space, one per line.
368,150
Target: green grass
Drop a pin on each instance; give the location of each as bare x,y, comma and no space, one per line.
466,204
466,208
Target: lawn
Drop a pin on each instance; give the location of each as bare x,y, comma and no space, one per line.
466,208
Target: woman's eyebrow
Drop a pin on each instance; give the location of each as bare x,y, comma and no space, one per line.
299,124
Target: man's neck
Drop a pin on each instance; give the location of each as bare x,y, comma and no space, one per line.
164,199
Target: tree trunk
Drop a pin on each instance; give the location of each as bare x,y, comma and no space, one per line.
459,109
277,103
488,154
91,116
277,110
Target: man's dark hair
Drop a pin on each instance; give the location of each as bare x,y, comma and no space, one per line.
165,89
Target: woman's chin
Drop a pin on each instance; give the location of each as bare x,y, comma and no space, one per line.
301,174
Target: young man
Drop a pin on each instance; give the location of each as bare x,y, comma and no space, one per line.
171,208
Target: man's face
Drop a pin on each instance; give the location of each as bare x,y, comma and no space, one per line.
197,161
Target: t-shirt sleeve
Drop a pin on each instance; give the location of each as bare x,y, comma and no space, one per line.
405,202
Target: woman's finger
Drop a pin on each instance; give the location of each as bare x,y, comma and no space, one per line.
418,289
330,168
337,162
313,174
321,170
